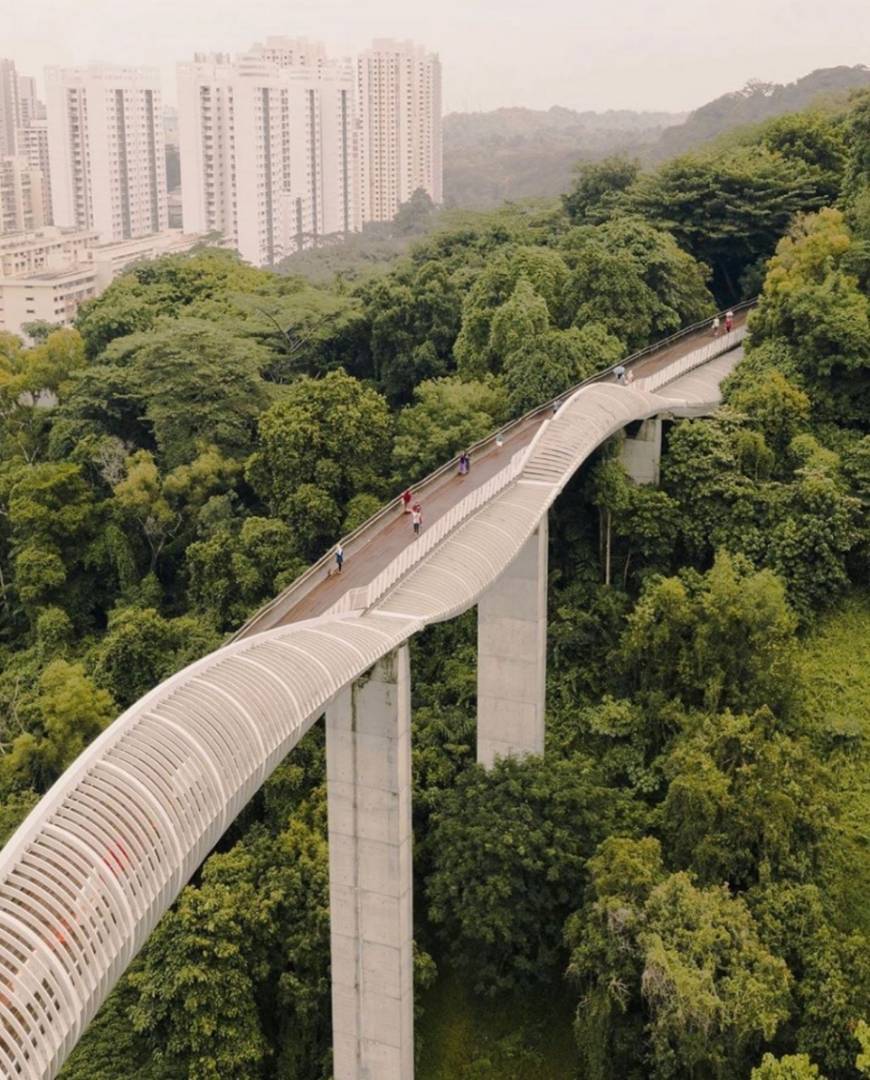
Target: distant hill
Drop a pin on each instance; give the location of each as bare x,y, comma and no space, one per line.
522,153
758,101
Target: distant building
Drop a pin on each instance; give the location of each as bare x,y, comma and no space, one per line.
33,148
46,274
30,108
399,97
291,52
22,199
105,141
10,108
269,157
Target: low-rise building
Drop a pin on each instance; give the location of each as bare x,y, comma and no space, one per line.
46,274
53,296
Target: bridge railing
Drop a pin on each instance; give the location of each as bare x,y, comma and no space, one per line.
416,552
271,613
691,360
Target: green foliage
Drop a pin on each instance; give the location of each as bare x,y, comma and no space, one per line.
507,848
788,1067
547,364
141,648
321,443
447,416
231,573
719,641
689,960
728,210
597,188
816,307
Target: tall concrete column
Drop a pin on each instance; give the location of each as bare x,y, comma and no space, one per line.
642,454
512,656
368,770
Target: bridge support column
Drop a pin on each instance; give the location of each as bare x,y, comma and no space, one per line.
512,656
368,769
642,454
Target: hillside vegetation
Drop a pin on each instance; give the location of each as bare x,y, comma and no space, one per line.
524,153
680,873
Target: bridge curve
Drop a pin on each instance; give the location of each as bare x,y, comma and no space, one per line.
105,853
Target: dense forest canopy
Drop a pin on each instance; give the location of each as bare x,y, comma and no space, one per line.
687,863
525,153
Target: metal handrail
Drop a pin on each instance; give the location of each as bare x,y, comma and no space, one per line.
315,572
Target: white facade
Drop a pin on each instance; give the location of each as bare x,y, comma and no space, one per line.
33,148
53,296
47,273
268,150
106,150
21,196
399,94
291,52
44,249
10,107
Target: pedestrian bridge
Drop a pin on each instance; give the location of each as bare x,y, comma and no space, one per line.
105,853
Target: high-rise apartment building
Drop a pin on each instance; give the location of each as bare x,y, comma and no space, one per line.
105,142
21,196
33,148
31,109
10,108
268,148
399,100
290,52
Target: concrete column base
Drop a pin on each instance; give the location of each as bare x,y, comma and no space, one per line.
641,456
368,769
512,656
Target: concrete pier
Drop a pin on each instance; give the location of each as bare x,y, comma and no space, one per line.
642,454
512,656
368,768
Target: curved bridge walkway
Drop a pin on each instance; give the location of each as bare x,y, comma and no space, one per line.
105,853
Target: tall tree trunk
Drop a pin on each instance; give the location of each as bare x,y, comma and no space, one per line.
607,561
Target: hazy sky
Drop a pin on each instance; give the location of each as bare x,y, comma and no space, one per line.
671,54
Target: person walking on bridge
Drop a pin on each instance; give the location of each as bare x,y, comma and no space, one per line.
464,463
406,501
729,321
417,519
339,558
715,326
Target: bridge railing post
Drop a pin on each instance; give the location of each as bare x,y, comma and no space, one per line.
368,768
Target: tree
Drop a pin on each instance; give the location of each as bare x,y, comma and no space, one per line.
543,366
325,441
546,274
746,801
521,319
724,640
507,848
413,317
232,572
198,384
817,140
447,416
67,711
684,964
728,209
597,188
141,648
815,306
789,1067
776,407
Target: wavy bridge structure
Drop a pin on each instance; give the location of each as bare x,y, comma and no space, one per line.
105,853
